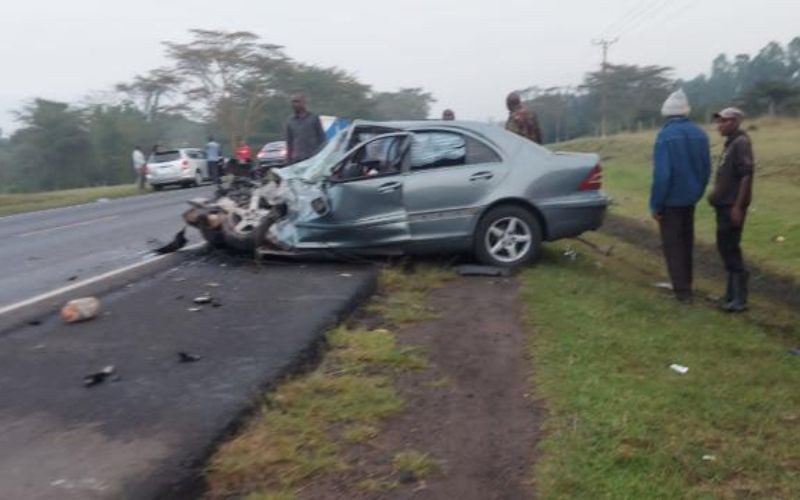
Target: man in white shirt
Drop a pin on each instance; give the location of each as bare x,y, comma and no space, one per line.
139,166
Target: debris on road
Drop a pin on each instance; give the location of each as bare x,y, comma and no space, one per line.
346,275
475,270
178,242
213,285
603,249
195,309
679,368
99,377
203,299
185,357
82,309
72,278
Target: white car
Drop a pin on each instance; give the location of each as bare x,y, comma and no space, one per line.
185,167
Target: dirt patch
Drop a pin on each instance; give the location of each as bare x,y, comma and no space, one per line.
469,414
706,259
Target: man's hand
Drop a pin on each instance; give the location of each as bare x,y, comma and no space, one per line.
737,216
656,216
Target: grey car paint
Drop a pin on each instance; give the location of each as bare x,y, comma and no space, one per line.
362,194
439,208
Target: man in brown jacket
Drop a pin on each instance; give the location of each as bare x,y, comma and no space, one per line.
520,120
730,198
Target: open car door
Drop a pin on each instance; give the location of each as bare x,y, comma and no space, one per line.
365,194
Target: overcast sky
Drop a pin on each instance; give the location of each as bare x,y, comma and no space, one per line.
469,53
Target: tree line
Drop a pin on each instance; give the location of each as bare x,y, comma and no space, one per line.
229,84
765,84
234,84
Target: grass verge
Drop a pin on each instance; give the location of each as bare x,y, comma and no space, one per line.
775,211
304,425
29,202
620,423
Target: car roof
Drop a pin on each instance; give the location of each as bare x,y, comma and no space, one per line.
507,141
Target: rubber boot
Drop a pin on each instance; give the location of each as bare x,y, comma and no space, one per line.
739,301
728,290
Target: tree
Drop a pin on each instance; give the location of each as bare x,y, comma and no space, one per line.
227,76
151,90
405,104
52,150
771,96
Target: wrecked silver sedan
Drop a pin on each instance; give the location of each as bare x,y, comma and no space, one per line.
412,187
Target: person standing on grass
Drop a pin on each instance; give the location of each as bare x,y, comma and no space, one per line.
681,168
730,197
139,166
304,133
522,121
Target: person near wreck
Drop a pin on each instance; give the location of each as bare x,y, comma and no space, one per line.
304,133
139,166
214,159
244,155
521,120
730,197
681,169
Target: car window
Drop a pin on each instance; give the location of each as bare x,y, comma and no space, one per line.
478,152
382,156
165,156
442,149
196,155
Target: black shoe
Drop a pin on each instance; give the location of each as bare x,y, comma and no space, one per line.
728,290
684,297
739,301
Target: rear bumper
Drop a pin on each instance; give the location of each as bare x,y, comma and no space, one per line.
572,216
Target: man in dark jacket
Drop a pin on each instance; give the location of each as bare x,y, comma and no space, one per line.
304,134
733,186
521,120
681,168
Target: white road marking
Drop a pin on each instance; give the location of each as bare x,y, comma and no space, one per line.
95,279
66,226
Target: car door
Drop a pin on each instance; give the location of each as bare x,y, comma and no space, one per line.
451,178
365,194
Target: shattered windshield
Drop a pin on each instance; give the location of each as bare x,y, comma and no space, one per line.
318,166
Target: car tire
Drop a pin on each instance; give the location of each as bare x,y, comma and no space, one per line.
496,246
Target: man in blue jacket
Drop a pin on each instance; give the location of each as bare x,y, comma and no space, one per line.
681,168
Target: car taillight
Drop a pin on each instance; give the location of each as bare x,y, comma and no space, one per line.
593,180
185,164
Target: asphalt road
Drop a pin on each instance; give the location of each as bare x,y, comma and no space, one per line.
45,250
147,434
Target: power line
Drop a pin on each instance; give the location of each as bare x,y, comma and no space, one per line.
676,10
643,17
625,17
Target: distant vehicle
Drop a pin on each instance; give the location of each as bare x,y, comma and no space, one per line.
273,154
184,167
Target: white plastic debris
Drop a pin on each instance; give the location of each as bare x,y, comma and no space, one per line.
679,368
571,253
780,239
346,275
81,309
709,458
663,285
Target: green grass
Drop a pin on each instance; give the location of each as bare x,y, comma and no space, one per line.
29,202
417,463
775,210
620,423
305,424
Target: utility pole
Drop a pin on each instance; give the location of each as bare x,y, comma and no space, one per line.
605,44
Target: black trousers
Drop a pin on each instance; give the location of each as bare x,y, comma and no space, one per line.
677,238
729,239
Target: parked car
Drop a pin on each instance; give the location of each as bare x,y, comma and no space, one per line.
413,187
272,154
184,166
